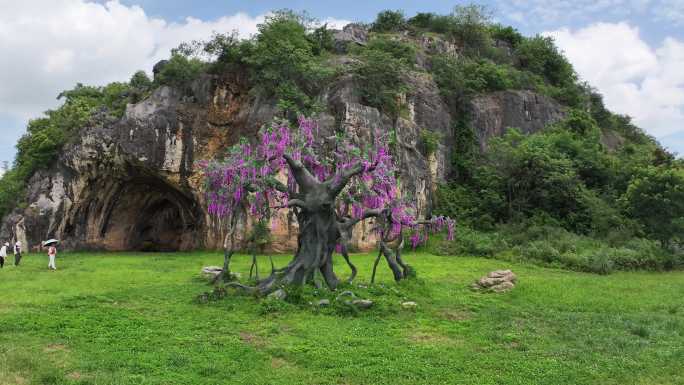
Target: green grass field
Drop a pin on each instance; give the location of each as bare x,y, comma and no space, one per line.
133,319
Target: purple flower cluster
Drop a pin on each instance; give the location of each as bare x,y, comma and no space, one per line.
247,177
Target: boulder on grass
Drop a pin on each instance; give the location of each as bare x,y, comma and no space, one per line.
497,281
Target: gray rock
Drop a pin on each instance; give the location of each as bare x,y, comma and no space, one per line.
323,303
211,272
362,303
492,114
350,34
497,281
159,66
279,294
409,305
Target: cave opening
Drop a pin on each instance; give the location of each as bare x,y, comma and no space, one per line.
149,214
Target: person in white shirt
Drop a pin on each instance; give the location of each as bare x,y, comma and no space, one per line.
52,253
17,253
3,254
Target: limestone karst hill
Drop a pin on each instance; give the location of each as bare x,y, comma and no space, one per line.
130,180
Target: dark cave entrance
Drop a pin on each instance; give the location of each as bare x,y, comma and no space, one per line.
148,214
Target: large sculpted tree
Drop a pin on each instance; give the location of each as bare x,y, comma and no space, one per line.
330,183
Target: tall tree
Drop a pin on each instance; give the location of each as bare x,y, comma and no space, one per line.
330,183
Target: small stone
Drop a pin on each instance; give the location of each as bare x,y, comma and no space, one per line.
279,294
362,303
502,287
409,305
346,293
211,272
323,303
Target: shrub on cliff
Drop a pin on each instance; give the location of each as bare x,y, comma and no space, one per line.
389,21
179,71
284,64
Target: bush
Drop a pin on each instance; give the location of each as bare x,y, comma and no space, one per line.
389,21
284,64
430,141
540,56
600,263
656,199
470,28
508,34
380,80
399,50
470,242
179,72
460,79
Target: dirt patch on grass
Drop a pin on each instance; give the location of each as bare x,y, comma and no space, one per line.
253,340
74,376
13,380
53,348
431,338
456,315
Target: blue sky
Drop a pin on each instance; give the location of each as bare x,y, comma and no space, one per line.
631,50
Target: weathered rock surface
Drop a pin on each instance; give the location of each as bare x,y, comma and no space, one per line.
492,114
133,183
350,34
323,303
497,281
362,303
279,295
211,272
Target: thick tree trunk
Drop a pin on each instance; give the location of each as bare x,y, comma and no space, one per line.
317,239
314,205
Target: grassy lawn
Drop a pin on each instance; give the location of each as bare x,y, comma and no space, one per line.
133,319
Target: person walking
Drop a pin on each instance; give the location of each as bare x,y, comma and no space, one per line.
3,254
52,253
17,253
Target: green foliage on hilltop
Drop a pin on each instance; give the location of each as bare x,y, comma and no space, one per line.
179,71
381,69
389,21
564,174
285,60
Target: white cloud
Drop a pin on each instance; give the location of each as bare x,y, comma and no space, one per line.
50,45
638,80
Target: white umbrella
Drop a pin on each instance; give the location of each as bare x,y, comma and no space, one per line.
50,242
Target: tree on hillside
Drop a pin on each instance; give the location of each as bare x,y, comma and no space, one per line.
656,199
330,183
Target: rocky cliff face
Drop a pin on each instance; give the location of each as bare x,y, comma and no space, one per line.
132,184
493,114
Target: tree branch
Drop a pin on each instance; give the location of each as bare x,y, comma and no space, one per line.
366,214
339,180
303,177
